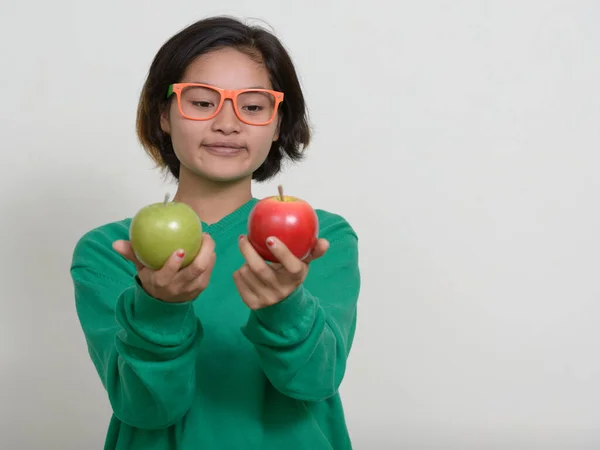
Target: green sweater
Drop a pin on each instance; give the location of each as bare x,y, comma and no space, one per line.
211,373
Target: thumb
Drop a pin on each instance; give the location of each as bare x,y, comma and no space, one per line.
318,251
126,251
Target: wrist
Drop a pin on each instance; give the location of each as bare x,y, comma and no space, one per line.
291,312
159,316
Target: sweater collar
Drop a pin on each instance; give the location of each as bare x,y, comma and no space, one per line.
231,219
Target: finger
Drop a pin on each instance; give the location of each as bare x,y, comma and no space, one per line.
265,294
252,280
247,295
285,257
165,274
124,248
256,263
201,282
318,251
201,263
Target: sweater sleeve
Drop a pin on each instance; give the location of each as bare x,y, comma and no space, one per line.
144,350
303,342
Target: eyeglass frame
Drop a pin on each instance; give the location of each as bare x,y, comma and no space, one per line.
231,94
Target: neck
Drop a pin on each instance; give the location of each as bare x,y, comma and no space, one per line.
212,200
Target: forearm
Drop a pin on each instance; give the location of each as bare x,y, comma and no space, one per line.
303,341
303,350
145,353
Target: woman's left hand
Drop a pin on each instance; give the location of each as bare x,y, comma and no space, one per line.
261,284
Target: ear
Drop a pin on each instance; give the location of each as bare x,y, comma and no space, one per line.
165,123
277,130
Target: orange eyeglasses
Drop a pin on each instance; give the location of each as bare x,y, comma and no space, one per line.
203,102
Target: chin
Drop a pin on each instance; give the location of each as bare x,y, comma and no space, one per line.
220,176
225,171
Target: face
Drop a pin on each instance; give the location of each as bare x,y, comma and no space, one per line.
222,148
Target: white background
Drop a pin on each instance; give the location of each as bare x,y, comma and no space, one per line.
460,138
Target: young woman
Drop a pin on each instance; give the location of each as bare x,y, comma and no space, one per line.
229,352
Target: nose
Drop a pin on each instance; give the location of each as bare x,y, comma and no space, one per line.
226,121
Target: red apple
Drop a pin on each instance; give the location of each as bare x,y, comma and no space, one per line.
290,219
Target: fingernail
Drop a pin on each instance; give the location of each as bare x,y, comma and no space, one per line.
240,237
180,253
270,242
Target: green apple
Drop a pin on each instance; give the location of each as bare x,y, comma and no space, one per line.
159,229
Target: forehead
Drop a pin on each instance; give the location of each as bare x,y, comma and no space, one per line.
227,68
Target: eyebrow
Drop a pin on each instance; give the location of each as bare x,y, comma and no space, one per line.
250,87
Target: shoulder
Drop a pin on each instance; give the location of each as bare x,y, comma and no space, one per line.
101,238
335,227
93,251
341,262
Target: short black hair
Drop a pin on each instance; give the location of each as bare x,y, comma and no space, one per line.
211,34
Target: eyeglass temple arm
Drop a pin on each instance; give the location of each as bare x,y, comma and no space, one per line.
170,91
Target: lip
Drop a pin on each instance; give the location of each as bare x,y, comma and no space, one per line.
223,148
223,144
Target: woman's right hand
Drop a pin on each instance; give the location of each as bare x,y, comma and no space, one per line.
172,283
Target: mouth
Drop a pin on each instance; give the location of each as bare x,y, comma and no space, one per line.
223,148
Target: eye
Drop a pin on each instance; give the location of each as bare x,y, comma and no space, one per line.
253,108
202,104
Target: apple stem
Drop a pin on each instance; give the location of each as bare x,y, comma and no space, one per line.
166,199
280,188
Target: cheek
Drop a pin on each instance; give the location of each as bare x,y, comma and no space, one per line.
262,139
186,134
